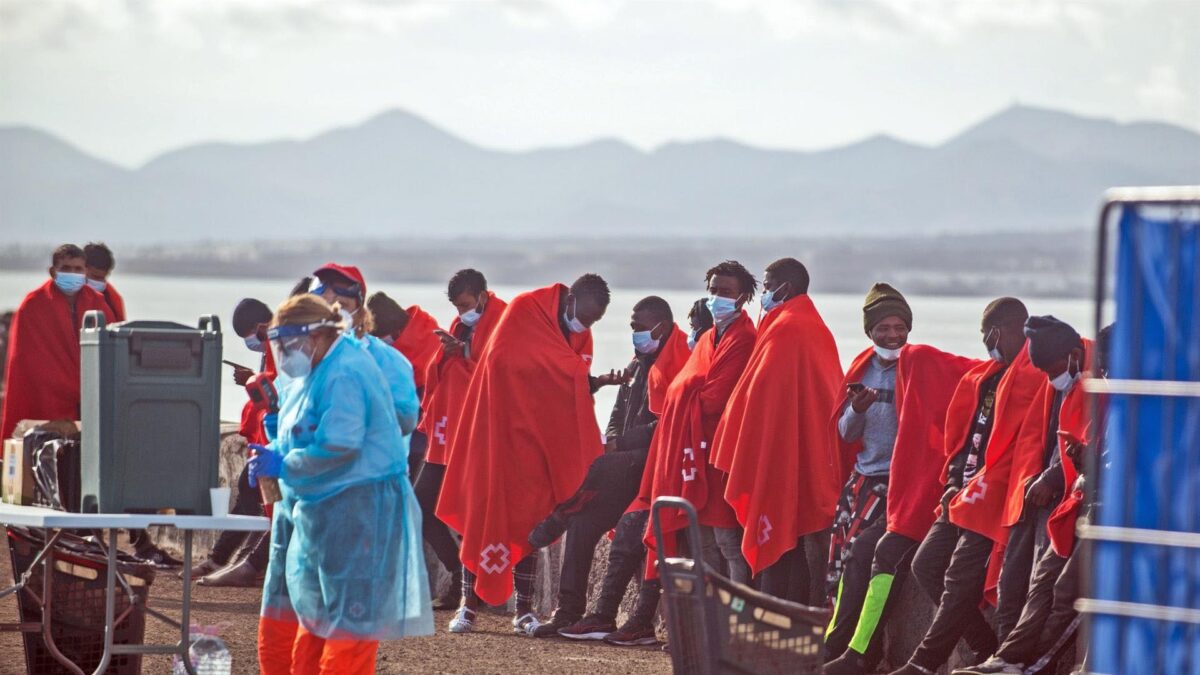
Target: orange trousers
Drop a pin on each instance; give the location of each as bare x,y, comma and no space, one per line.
285,648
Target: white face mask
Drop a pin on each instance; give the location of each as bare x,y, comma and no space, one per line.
573,322
1065,379
995,355
347,320
296,364
887,354
470,317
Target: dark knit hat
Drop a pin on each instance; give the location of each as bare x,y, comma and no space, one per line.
1003,311
883,301
1049,340
248,314
390,317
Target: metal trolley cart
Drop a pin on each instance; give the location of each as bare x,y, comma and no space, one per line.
718,626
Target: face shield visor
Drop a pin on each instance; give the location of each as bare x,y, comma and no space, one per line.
293,347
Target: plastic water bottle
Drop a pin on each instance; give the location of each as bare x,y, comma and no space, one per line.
208,653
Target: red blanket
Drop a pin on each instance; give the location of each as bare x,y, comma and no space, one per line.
678,462
42,375
418,343
1029,450
926,378
979,506
774,442
252,416
671,357
115,302
1075,419
447,379
525,438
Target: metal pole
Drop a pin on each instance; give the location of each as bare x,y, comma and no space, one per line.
48,605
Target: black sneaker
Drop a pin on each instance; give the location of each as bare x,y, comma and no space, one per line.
547,532
590,627
849,663
559,621
633,635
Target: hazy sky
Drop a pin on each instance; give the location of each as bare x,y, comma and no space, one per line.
126,79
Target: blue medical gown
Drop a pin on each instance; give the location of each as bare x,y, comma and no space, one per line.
398,372
346,551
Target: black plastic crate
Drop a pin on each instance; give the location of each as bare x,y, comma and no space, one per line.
718,626
78,604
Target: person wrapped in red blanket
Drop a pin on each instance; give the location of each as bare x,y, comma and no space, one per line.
774,440
1048,621
679,462
446,381
890,426
523,442
98,266
42,373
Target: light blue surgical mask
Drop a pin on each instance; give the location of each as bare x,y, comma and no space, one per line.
723,310
69,282
692,338
470,317
97,286
644,342
253,343
768,298
573,322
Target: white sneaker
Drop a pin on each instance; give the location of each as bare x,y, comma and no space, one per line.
525,624
993,666
463,621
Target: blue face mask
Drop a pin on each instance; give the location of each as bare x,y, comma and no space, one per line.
695,335
768,298
644,342
69,282
470,317
573,322
723,310
97,286
253,343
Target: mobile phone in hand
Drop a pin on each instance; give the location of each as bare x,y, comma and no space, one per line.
856,387
236,366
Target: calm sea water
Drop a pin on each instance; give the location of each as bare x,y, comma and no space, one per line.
949,323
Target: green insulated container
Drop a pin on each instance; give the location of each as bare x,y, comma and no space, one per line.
151,404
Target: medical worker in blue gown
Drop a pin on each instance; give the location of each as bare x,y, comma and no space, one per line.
346,565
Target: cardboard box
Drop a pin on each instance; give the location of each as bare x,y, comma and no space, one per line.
17,485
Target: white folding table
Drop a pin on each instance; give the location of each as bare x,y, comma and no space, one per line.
53,523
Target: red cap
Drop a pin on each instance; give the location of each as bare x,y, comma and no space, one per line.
348,271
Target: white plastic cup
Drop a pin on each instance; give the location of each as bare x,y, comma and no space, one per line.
220,501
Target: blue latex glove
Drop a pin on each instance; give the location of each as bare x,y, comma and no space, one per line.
271,425
265,463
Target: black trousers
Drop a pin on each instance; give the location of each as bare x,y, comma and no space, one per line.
1027,542
951,567
1049,614
246,502
428,488
626,558
611,483
418,444
794,576
873,576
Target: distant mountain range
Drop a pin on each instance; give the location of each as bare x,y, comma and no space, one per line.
397,175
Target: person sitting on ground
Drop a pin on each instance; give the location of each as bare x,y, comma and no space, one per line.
1048,621
679,461
774,441
660,350
251,317
446,381
524,442
99,264
904,389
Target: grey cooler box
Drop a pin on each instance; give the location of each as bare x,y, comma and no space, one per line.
150,415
